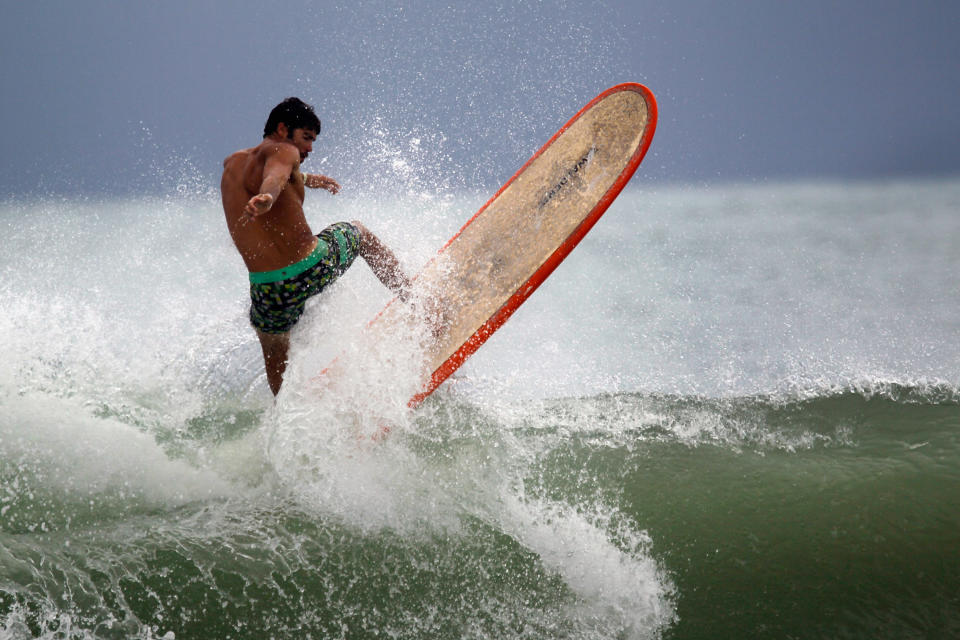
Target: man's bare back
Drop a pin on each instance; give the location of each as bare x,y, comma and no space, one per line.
268,242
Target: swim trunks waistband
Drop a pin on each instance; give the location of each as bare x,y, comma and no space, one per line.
319,253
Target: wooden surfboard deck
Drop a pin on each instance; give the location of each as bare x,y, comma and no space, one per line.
513,243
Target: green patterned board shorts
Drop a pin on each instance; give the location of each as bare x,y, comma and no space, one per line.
278,297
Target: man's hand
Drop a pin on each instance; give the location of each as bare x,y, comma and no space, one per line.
258,204
315,181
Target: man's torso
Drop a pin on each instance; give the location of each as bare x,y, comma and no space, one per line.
277,238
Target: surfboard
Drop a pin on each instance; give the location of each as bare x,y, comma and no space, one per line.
482,275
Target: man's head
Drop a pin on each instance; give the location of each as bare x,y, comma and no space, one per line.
294,113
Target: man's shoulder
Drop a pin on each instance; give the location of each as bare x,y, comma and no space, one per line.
278,149
237,156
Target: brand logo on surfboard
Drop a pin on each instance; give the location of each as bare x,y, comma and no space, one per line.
567,177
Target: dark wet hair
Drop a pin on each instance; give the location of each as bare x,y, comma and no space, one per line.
295,113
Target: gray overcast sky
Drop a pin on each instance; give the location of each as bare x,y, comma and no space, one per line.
113,97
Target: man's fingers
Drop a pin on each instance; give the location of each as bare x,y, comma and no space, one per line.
258,204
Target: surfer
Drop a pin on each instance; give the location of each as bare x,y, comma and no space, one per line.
262,190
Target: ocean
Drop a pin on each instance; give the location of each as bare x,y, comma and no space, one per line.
732,412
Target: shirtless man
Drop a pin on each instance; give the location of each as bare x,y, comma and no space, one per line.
262,190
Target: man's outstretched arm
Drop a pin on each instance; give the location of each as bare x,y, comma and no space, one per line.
317,181
281,162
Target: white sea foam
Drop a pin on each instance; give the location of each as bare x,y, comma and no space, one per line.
621,588
80,456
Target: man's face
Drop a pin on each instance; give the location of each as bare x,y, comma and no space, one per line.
303,140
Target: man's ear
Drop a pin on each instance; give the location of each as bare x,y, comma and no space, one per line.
283,130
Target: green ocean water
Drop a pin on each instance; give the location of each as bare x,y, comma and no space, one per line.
752,431
831,516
